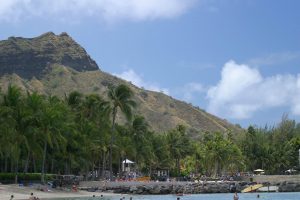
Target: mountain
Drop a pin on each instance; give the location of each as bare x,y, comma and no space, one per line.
30,57
56,65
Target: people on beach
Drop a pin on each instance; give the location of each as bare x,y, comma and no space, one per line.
31,197
74,188
235,196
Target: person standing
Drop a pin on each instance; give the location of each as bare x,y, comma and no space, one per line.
235,196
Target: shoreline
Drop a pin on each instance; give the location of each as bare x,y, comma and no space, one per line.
23,193
114,189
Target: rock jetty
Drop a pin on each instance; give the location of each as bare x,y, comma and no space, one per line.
180,187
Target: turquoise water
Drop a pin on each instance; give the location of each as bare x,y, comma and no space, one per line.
248,196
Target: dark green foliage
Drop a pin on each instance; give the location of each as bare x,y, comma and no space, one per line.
41,135
274,149
25,177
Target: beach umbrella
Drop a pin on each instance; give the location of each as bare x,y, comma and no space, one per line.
259,170
290,170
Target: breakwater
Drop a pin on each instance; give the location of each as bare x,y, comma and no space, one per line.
180,187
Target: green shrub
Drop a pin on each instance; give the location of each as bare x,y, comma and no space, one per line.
25,177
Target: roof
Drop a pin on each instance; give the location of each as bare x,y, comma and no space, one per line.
127,161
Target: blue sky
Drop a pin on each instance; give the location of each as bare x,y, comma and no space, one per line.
238,59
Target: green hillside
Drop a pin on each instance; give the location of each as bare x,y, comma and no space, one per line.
57,65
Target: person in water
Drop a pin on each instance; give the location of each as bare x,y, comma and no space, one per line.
258,196
235,196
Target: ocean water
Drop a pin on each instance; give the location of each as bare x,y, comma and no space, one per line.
228,196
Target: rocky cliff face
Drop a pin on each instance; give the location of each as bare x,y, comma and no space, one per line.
31,57
56,65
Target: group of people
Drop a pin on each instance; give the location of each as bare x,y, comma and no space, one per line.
236,196
32,197
123,198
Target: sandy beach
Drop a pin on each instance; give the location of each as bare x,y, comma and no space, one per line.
21,193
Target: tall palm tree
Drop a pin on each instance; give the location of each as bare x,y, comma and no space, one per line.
179,144
121,97
140,133
14,102
33,105
53,121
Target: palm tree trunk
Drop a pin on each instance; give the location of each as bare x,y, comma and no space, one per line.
6,163
27,162
16,171
119,165
216,169
103,164
34,164
111,143
99,169
178,166
44,160
66,167
52,165
11,165
136,162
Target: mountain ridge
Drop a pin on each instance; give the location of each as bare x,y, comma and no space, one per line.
81,73
32,56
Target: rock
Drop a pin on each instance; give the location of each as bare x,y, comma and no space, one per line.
133,189
31,57
140,190
155,190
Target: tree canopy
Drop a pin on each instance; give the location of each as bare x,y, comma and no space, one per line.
81,133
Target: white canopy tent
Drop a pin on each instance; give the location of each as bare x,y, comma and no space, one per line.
290,171
127,161
259,170
126,164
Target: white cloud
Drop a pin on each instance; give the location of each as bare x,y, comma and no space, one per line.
274,58
136,79
108,10
242,91
189,91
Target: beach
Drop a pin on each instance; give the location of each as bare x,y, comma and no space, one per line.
23,192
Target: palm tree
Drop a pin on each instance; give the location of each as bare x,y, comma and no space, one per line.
33,105
94,114
13,101
120,98
179,144
53,119
140,134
